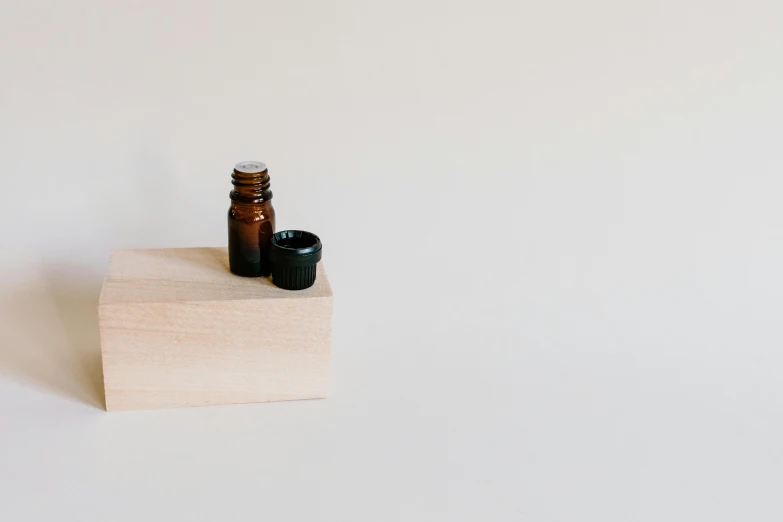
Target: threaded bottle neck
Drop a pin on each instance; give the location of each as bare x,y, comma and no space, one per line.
251,183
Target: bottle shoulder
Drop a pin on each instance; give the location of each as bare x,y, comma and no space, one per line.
256,212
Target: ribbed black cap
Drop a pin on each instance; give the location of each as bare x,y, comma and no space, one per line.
294,254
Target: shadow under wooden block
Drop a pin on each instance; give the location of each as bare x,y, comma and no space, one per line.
178,329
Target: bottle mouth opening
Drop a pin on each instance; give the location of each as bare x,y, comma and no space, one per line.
250,167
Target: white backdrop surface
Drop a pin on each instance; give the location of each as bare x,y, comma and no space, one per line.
554,232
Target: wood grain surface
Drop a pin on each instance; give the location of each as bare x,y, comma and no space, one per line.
178,329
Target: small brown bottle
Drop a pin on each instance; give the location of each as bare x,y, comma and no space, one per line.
251,220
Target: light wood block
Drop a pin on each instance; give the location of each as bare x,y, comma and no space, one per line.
178,329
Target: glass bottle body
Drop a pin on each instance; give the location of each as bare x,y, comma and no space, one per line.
251,221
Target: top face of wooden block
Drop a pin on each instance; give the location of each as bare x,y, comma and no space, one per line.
190,275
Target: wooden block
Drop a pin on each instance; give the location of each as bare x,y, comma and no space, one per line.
179,329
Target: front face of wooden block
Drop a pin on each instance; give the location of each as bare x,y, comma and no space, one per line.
165,355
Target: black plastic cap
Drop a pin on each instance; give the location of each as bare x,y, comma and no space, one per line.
294,254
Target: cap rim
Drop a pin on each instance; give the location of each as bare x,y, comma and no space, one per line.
295,248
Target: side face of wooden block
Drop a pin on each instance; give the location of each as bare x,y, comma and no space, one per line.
175,353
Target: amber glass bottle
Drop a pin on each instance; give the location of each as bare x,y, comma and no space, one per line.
251,220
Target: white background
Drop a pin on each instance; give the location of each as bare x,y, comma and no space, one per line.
554,231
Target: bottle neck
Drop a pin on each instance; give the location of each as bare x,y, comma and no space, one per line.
250,188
